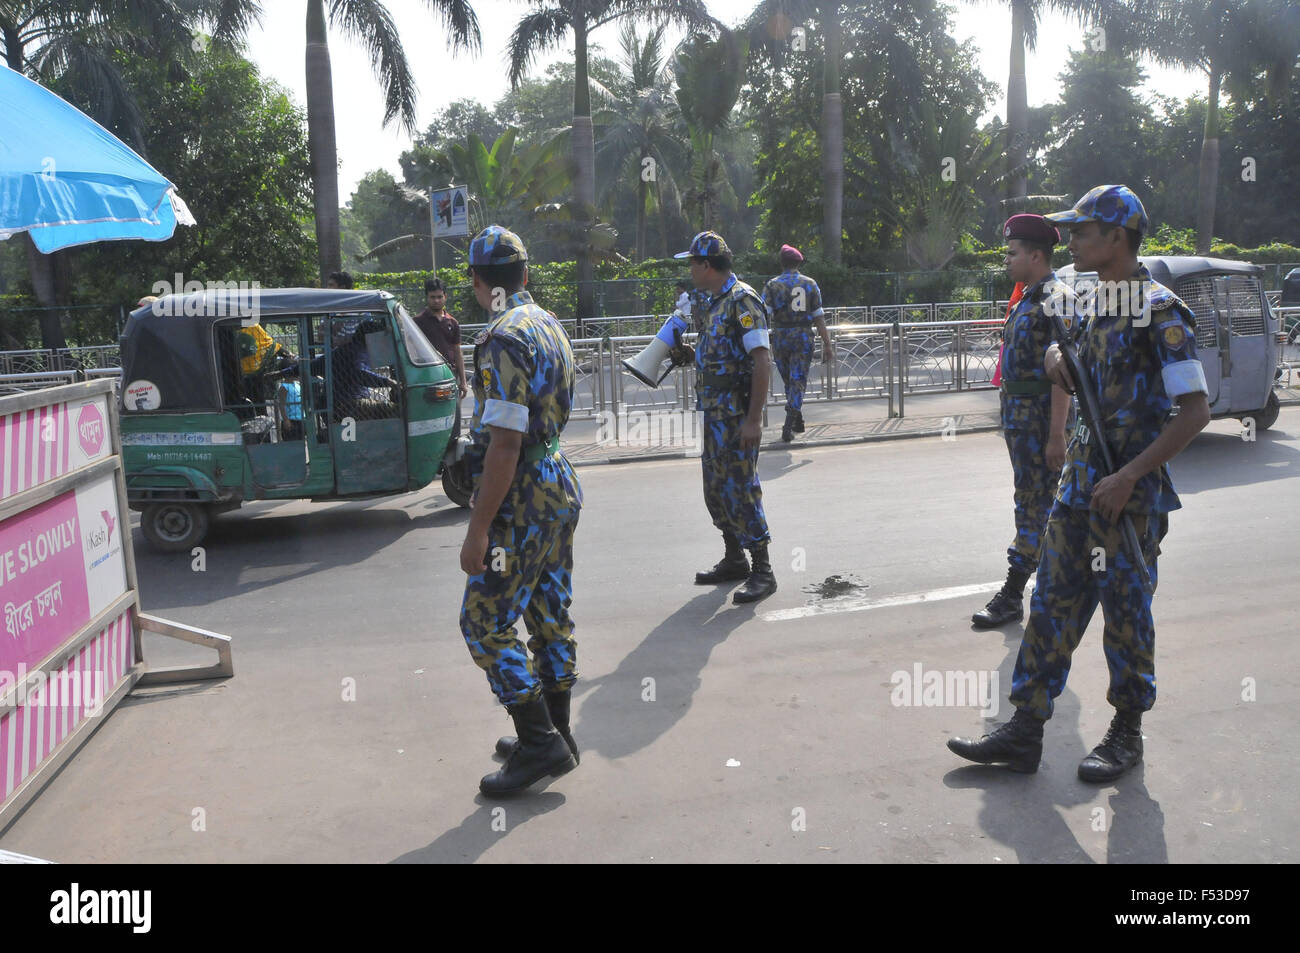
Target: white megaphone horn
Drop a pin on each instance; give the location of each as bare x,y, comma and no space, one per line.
649,366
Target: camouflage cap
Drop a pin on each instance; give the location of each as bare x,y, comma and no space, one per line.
1110,204
705,244
496,246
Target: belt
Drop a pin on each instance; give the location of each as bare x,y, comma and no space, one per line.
1027,388
539,450
720,381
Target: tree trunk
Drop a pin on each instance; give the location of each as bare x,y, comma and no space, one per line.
321,142
663,219
41,269
641,196
832,135
1017,107
584,160
1208,180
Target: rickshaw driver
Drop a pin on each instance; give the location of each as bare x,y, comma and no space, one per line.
518,550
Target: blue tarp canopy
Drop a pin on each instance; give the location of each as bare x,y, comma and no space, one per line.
69,181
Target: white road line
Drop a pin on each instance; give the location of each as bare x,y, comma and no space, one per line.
862,603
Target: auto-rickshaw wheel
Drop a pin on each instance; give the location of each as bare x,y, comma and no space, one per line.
174,527
456,484
1268,416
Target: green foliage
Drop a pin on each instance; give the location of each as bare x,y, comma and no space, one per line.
236,148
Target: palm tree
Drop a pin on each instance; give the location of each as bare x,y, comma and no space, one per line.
640,124
545,28
69,44
709,76
369,22
772,24
1231,43
1025,15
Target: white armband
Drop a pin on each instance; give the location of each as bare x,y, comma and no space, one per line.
756,338
508,416
1184,377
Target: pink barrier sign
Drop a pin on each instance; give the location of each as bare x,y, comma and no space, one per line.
43,594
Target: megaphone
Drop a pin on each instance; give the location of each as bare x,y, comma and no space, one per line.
652,365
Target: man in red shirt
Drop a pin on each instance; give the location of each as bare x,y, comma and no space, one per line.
443,333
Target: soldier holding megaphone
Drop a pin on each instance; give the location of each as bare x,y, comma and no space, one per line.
733,366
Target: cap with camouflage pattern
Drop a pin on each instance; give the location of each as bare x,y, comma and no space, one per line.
496,246
705,244
1111,204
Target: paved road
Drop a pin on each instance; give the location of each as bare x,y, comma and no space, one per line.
771,735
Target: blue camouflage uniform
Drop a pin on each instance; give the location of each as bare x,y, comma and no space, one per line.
523,380
1139,357
1026,402
731,324
793,302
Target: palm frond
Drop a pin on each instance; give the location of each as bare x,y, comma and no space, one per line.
534,34
370,22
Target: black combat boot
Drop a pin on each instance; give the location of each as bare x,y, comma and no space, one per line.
557,703
761,582
540,752
1118,751
787,430
1018,744
798,421
733,566
1007,606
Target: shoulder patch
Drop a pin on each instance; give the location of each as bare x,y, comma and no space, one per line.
1175,337
746,320
486,376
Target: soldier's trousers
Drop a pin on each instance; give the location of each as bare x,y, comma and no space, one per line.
529,574
1072,581
731,489
792,350
1035,491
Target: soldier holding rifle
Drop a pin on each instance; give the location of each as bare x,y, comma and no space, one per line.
1137,349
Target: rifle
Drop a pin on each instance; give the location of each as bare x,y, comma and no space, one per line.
1090,409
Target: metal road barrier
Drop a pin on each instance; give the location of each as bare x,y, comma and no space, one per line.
884,361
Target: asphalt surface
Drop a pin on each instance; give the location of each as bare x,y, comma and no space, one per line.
708,732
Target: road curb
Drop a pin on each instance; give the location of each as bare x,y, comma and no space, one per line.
778,445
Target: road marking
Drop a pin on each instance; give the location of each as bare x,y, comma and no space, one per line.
862,603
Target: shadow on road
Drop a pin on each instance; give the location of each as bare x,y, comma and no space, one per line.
774,464
1020,810
1215,460
483,828
255,548
618,720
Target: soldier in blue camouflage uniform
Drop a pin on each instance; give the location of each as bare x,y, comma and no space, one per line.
794,306
518,550
1137,344
733,367
1033,411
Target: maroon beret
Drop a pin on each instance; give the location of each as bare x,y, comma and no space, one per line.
791,252
1031,228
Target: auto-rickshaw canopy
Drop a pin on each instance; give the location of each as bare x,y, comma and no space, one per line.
170,343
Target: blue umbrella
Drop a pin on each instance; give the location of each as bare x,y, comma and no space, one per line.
69,181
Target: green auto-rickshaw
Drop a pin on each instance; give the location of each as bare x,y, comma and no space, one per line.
299,393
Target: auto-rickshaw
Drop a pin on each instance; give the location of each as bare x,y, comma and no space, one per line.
299,393
1238,339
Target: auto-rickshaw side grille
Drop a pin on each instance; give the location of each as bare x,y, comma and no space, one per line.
1244,297
1198,294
